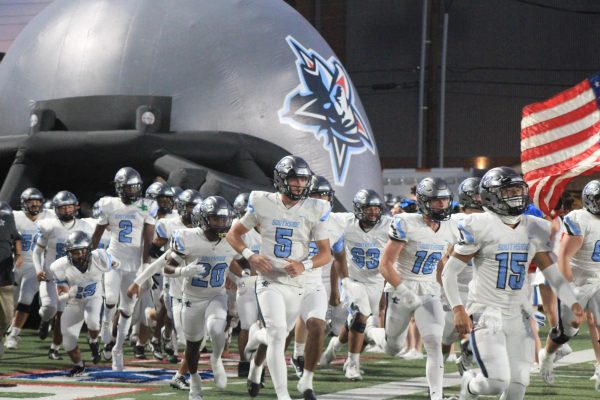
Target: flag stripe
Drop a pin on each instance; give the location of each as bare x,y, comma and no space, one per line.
562,97
560,108
560,120
560,132
560,166
585,138
578,152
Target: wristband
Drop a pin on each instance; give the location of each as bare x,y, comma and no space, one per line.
247,253
308,265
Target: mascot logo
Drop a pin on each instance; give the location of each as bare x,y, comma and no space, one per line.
323,104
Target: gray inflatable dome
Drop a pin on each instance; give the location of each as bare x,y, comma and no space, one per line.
252,67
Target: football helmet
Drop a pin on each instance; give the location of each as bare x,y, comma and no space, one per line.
468,194
590,196
96,210
240,204
163,194
367,198
504,192
214,214
319,185
128,185
287,167
186,198
79,240
31,194
65,198
432,189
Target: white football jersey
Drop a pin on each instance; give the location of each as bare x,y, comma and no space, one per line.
424,248
364,249
164,229
105,239
252,240
335,228
502,256
215,256
286,232
89,283
126,226
466,275
586,261
28,230
52,235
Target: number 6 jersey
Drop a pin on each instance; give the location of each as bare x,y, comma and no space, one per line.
126,226
193,245
502,255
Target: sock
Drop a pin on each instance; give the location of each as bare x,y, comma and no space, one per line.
307,377
55,346
106,331
14,331
195,384
354,358
255,372
298,349
336,344
80,363
122,329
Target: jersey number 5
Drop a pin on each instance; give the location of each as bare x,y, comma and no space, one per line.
283,242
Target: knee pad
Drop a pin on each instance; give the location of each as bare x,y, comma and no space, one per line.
562,336
24,308
47,312
358,326
497,386
277,334
69,341
215,326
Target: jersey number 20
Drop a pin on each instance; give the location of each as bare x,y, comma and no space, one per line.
213,277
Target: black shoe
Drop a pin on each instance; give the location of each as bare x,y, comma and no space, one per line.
298,364
139,352
309,394
54,355
95,349
243,369
44,328
253,388
156,349
262,379
76,371
107,351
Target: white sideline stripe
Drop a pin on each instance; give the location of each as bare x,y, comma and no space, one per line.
419,385
68,392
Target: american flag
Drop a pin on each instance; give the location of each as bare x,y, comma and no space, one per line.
559,141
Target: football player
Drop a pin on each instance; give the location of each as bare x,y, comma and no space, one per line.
50,246
470,202
408,263
31,212
202,256
578,259
79,277
132,229
501,242
365,234
288,222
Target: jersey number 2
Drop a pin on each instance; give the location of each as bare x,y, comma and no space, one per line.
125,227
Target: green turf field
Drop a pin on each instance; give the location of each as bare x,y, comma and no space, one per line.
572,381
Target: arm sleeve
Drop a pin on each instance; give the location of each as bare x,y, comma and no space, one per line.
154,268
452,268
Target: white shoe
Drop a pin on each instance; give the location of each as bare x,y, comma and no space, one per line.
534,369
412,354
12,342
329,353
464,387
546,366
374,348
253,342
303,386
218,372
563,351
402,352
353,372
117,359
596,377
451,358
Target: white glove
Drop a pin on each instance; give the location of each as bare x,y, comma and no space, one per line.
445,303
407,297
349,292
194,270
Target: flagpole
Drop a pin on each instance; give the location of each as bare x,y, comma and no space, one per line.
421,125
443,90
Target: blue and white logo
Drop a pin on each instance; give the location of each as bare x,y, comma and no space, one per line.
323,104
